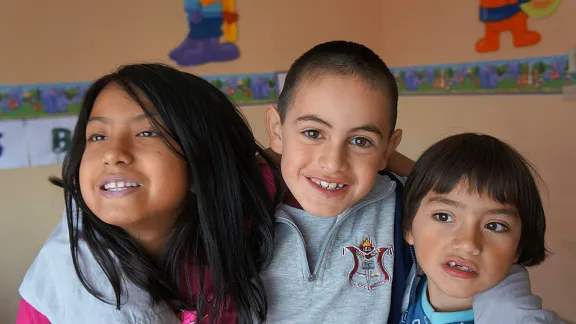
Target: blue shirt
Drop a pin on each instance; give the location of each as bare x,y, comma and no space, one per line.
422,312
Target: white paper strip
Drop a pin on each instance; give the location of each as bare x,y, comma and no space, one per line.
572,59
13,153
281,78
49,139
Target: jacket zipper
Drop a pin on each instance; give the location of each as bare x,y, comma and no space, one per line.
312,276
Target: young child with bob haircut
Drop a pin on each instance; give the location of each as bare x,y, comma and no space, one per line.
473,216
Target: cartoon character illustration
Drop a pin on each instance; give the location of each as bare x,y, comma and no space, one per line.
11,100
208,21
368,271
511,15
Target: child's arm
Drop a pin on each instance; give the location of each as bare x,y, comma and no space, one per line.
512,301
29,315
400,164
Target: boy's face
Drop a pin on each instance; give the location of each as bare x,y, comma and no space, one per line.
465,243
334,140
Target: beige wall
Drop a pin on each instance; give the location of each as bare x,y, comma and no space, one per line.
78,42
66,40
540,126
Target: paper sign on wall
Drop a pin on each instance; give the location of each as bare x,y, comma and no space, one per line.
49,139
572,60
281,79
13,150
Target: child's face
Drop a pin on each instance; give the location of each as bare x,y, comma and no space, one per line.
465,243
334,140
128,176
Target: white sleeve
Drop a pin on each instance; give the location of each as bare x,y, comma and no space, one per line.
512,301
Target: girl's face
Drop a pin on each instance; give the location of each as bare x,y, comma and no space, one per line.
128,176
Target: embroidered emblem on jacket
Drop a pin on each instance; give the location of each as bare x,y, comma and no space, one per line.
368,271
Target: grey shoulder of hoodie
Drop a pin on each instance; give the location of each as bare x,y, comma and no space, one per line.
512,301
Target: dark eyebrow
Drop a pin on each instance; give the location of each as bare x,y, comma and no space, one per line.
106,120
313,118
446,201
100,119
368,128
507,211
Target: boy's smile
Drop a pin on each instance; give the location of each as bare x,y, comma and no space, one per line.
465,243
333,141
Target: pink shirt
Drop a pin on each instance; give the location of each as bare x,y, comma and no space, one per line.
29,315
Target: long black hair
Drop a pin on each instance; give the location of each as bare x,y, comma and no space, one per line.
227,226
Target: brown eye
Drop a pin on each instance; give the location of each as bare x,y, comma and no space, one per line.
312,134
496,227
96,138
443,218
147,134
361,142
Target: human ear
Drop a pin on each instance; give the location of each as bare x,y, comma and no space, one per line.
274,128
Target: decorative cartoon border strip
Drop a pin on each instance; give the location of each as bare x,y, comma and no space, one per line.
64,99
541,75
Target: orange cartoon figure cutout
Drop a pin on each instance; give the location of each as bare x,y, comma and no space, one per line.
512,16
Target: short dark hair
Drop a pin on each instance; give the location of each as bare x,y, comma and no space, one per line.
491,167
340,58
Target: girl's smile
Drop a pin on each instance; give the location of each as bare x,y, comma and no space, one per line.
119,187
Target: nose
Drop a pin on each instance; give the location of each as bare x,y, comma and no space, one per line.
333,158
468,239
118,153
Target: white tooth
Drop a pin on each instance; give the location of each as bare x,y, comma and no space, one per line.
452,264
332,186
324,184
130,184
340,186
110,185
120,184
